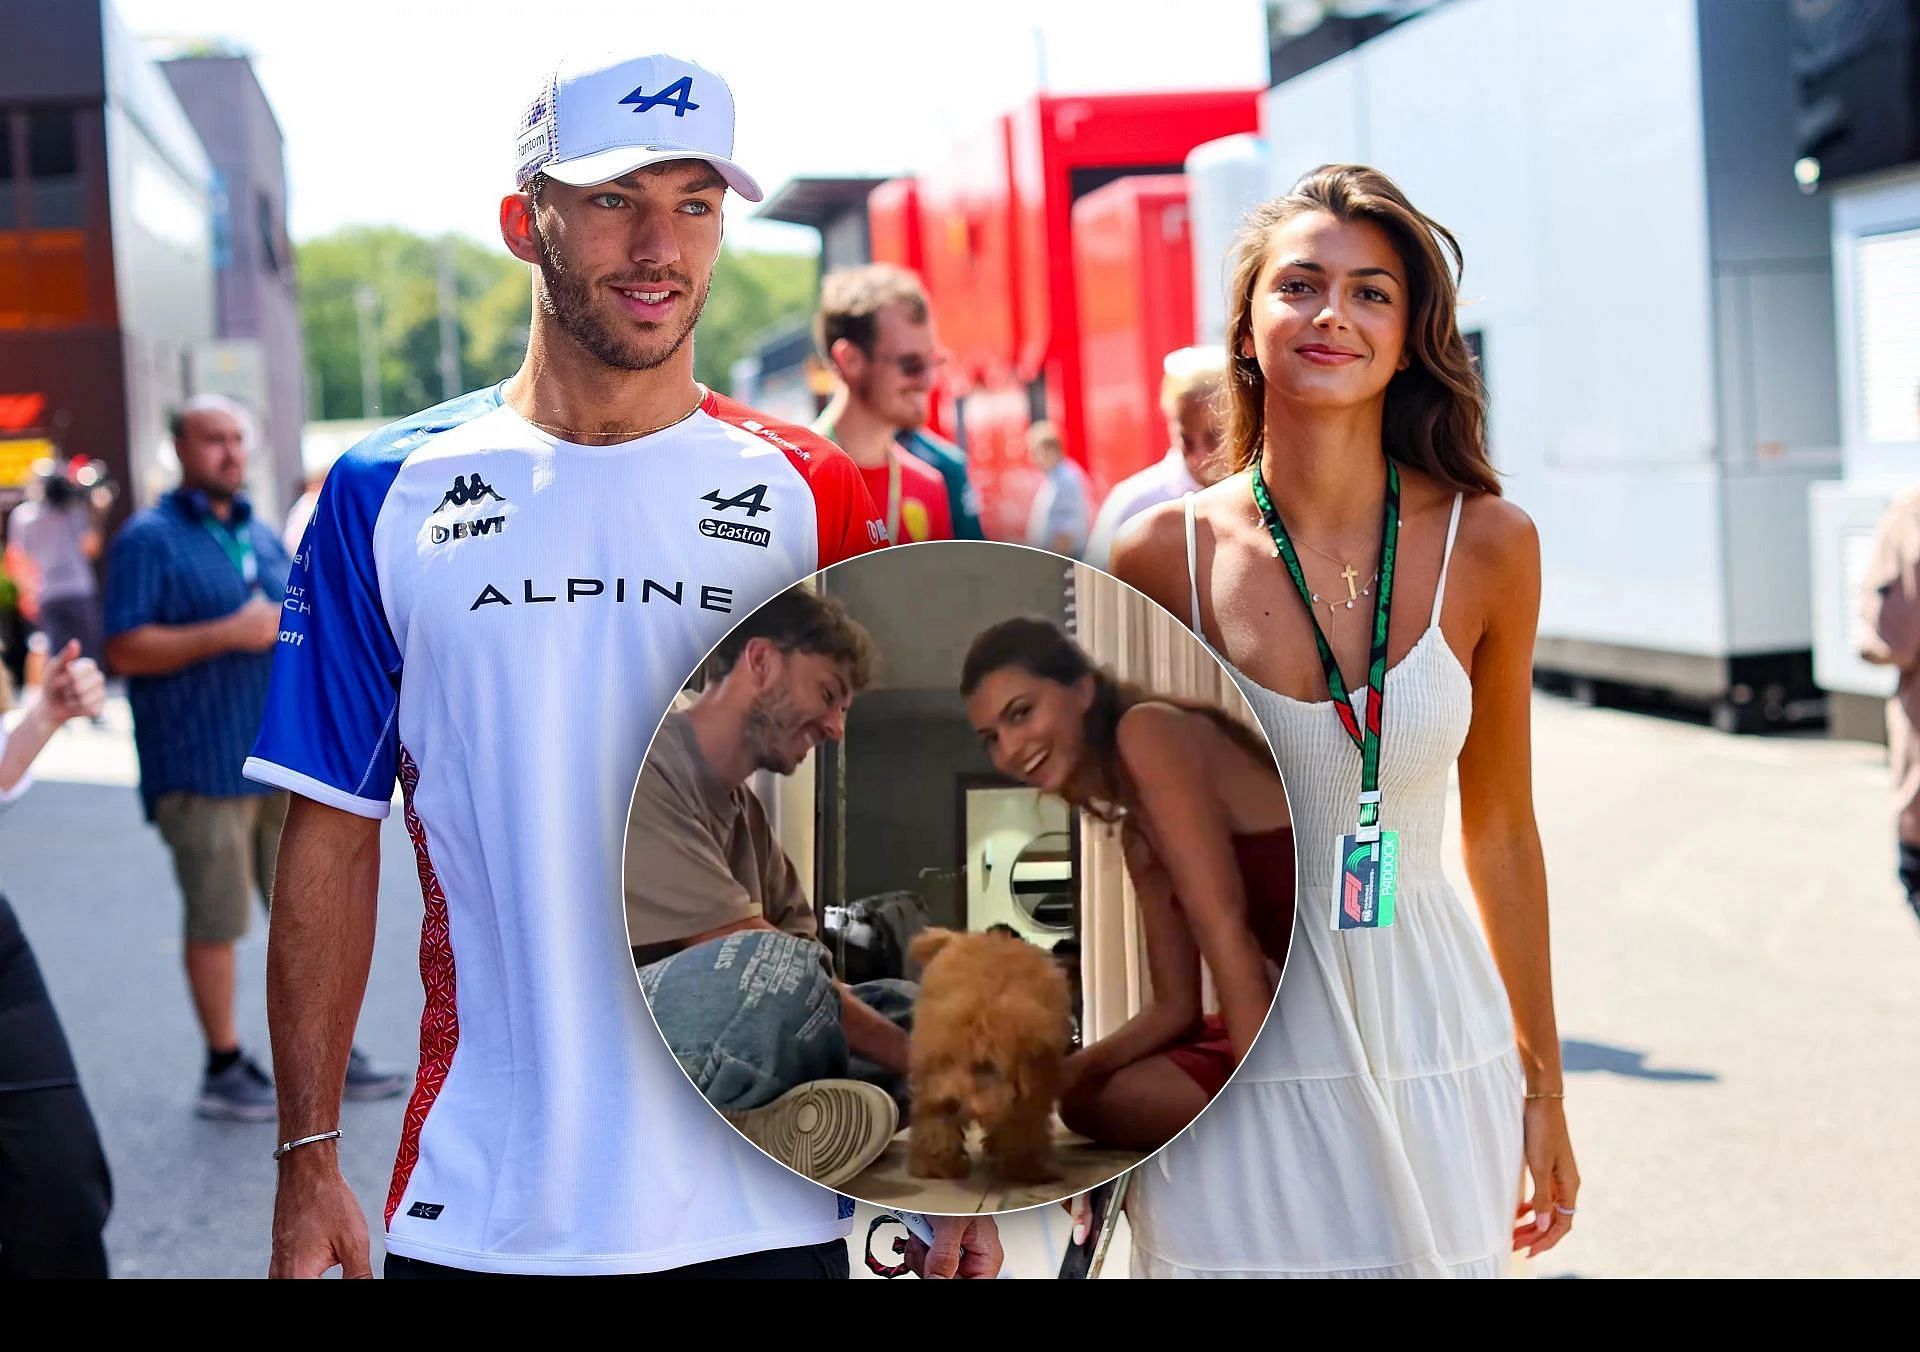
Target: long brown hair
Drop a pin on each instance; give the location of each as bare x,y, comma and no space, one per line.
1436,414
1039,648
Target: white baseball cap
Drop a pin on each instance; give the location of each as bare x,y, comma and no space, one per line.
599,118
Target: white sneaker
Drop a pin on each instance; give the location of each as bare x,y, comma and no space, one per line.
828,1130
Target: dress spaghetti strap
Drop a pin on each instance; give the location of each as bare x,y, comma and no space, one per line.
1440,591
1193,569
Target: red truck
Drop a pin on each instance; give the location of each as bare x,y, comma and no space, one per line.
1054,247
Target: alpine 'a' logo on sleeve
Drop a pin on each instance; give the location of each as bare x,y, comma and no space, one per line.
753,502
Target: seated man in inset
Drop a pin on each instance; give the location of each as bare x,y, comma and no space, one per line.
808,1068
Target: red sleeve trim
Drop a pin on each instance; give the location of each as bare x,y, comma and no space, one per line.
848,522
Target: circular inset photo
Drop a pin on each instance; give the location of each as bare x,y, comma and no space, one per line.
959,878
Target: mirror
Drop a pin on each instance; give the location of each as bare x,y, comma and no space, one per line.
1043,883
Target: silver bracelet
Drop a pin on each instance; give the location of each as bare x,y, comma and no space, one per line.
286,1146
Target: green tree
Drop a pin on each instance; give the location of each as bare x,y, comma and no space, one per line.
402,271
752,294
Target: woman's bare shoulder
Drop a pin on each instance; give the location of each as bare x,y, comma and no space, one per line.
1151,554
1155,731
1498,534
1162,739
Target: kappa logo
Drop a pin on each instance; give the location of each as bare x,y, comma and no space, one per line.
465,492
426,1211
677,96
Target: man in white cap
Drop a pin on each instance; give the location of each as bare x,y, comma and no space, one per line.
495,603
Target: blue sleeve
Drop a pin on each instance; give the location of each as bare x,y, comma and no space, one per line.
136,581
329,732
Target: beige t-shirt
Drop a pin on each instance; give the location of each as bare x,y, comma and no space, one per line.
700,852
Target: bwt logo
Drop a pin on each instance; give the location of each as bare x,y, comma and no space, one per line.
467,530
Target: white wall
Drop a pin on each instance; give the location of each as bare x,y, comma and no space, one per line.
1876,208
1225,179
1844,515
926,603
159,180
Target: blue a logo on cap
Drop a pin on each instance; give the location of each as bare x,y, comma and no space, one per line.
677,96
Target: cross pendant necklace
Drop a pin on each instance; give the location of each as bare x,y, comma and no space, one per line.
1354,593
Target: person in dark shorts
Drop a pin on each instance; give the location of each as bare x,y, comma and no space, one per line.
53,539
196,601
55,1190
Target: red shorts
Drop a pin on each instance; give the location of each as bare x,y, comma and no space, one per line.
1206,1055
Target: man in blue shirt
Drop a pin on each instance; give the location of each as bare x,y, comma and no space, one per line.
1061,513
195,589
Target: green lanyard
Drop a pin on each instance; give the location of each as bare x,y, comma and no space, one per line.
236,545
1368,740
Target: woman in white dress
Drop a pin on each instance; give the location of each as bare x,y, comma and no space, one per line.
1402,1113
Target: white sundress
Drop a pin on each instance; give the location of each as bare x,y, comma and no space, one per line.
1376,1128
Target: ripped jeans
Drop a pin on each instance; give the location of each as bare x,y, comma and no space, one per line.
754,1014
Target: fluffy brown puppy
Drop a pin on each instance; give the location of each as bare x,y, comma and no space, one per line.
991,1031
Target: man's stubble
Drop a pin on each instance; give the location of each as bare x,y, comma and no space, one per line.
567,297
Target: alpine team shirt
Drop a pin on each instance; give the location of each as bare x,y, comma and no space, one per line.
499,619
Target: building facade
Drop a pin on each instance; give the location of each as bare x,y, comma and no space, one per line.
1648,290
129,279
260,356
1857,72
